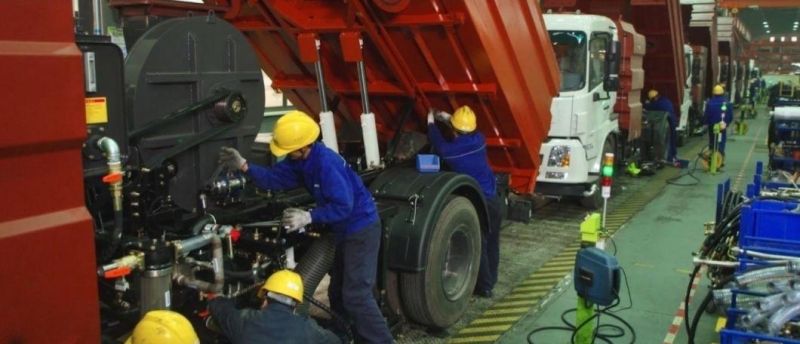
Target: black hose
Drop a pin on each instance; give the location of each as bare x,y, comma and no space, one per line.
116,237
698,315
336,316
316,262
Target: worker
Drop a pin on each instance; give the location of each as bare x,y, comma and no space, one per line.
163,327
718,111
657,102
276,321
466,154
342,202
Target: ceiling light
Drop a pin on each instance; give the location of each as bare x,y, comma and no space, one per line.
765,22
767,31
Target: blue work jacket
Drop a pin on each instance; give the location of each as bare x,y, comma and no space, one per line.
713,113
276,323
342,200
661,103
466,154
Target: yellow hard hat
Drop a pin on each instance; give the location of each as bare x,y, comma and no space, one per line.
293,131
464,119
284,282
718,90
652,94
163,327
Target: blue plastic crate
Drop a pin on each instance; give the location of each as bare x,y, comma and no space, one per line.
728,336
428,163
771,226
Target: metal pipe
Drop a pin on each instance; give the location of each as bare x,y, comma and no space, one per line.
97,26
781,317
183,247
326,121
698,261
368,128
111,150
216,264
763,255
766,274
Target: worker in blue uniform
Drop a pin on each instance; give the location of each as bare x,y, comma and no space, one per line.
718,111
342,202
657,102
276,321
466,154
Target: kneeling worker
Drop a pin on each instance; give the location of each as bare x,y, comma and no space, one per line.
276,322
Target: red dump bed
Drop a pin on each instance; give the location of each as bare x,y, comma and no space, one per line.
494,56
660,22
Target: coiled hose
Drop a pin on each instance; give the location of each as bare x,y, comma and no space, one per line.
316,262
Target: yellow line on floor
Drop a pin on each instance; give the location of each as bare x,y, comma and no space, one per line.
544,281
522,296
564,268
493,320
517,303
486,329
535,288
475,339
507,311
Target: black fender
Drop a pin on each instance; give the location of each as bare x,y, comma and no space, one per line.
418,199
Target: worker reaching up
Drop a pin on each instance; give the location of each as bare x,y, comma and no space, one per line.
657,102
718,112
163,327
276,321
342,202
466,154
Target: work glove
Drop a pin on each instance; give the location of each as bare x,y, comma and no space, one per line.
431,115
442,116
295,218
722,125
231,158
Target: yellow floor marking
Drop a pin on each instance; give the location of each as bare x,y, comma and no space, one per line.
475,339
494,320
483,329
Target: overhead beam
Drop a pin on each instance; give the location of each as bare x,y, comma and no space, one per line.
757,3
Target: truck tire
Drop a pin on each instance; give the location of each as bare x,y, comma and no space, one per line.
595,201
439,295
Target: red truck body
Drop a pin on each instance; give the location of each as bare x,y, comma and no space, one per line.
494,56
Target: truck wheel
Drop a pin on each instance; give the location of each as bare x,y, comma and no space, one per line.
595,201
438,295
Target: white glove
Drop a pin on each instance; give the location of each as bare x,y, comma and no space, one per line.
722,125
295,218
430,116
442,116
231,158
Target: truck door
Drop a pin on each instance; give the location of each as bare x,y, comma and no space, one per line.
602,101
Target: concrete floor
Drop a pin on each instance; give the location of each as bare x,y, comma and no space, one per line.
655,249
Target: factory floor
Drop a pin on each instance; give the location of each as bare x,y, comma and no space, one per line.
655,248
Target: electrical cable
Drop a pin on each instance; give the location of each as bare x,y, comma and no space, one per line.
689,173
611,331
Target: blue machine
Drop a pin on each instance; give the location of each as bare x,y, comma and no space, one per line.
597,276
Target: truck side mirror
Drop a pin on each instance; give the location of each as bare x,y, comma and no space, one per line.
611,81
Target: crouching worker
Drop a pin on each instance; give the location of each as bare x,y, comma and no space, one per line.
276,321
163,327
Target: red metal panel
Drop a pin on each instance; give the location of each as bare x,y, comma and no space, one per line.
492,55
47,262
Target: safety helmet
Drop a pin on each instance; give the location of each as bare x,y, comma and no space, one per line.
464,119
284,282
718,90
293,131
163,327
652,94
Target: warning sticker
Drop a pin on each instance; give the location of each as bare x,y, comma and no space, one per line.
96,110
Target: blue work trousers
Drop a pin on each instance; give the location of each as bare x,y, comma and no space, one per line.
490,248
712,138
352,280
672,151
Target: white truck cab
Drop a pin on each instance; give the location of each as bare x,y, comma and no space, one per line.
583,124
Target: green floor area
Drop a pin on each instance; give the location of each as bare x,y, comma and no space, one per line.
655,249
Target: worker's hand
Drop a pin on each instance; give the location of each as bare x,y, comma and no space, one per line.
295,218
442,116
431,113
722,125
231,158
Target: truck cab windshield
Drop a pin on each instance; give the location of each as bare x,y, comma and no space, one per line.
570,50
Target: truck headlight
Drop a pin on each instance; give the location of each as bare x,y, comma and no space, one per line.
559,156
